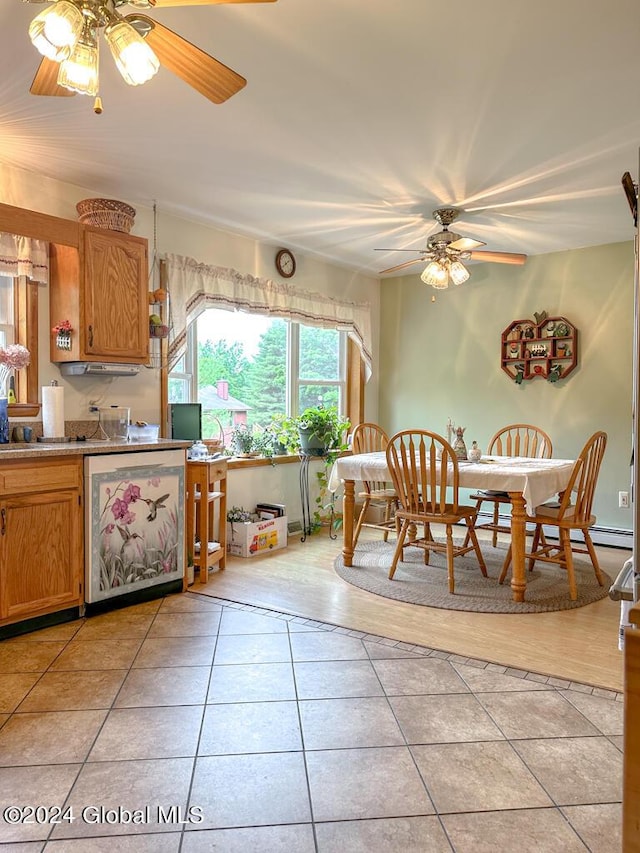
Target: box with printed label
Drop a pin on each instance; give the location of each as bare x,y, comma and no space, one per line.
248,539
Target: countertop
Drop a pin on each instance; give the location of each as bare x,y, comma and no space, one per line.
20,450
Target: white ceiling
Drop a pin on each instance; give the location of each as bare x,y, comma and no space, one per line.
358,119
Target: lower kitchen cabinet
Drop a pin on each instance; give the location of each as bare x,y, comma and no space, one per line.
41,538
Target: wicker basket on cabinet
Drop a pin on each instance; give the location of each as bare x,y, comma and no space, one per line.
106,213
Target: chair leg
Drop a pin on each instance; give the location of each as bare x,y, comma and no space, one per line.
387,516
363,512
505,566
471,534
428,537
467,538
450,559
496,513
535,545
594,558
396,554
565,541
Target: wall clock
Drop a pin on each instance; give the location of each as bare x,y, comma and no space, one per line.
285,263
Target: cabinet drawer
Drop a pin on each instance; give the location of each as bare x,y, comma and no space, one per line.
49,476
217,471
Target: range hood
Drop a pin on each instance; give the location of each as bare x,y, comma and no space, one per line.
98,368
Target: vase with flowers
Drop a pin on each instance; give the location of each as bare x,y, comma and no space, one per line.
12,357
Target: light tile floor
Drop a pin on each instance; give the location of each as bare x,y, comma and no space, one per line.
193,724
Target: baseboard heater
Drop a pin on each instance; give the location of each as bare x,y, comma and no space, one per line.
613,536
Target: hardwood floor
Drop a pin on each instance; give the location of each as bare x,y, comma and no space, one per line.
576,645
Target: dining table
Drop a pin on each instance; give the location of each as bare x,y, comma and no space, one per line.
528,482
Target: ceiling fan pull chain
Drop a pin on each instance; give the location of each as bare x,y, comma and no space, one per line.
97,105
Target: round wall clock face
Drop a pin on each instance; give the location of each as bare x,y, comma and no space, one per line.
285,263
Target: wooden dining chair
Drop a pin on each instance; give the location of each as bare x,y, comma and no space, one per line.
571,512
512,440
424,470
368,438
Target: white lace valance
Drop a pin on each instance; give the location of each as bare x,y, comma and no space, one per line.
24,256
194,287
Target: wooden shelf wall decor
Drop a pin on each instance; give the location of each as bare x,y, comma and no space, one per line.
543,348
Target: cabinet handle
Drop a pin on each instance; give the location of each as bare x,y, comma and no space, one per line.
3,522
90,336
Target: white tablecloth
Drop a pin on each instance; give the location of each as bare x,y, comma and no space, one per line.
537,479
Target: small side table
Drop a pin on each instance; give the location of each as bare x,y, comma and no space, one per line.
206,490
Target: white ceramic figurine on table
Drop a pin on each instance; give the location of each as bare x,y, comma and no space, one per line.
475,454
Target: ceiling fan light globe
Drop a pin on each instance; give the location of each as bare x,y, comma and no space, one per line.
458,272
55,31
435,275
79,73
134,58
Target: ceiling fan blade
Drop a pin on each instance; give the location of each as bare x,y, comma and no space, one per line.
211,78
402,266
158,4
46,80
499,257
466,244
416,251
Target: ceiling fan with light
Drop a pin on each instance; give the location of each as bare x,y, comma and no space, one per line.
67,34
446,250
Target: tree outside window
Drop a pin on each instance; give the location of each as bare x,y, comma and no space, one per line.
246,368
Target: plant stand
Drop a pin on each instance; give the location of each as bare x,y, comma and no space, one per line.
307,523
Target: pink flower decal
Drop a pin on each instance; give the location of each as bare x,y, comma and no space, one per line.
131,494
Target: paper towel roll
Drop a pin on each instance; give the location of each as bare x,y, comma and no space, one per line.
53,411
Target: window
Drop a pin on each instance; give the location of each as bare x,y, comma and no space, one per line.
6,311
245,368
19,325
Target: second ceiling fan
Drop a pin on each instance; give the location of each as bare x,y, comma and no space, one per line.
446,250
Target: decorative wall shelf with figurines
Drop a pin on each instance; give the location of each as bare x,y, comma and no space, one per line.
543,348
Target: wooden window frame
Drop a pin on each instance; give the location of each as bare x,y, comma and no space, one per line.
355,382
25,308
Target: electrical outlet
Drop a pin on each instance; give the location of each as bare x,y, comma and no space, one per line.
623,500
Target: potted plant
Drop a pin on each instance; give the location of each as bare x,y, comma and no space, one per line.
263,442
322,431
286,437
244,441
238,515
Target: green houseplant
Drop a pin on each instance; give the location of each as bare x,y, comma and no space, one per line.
244,441
285,434
322,431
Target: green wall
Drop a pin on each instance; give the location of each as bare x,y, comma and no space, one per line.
442,359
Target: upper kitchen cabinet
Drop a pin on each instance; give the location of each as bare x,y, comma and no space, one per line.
101,289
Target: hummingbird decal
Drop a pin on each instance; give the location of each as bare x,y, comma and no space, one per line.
128,542
154,506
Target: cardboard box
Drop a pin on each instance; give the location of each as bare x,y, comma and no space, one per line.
248,539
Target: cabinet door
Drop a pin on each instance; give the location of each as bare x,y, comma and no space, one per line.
116,312
40,554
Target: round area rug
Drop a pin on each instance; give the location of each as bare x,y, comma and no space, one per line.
547,586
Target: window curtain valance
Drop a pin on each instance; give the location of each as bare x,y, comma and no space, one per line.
194,287
24,256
